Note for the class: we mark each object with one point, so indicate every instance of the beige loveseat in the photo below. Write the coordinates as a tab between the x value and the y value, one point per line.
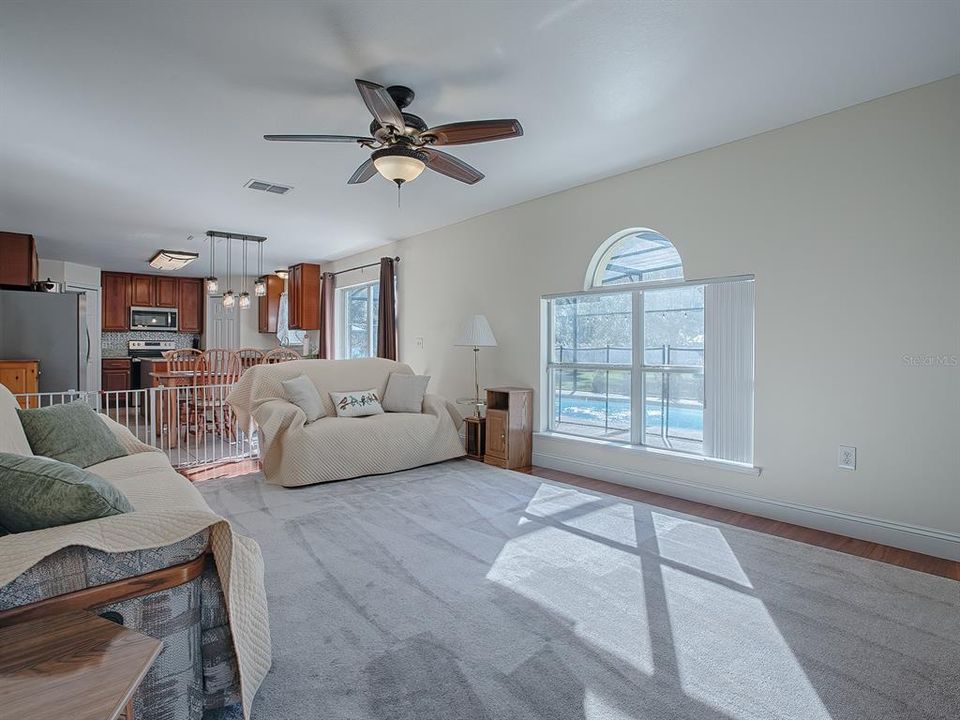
296	453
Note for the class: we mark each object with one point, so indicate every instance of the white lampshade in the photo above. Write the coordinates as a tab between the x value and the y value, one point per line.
399	168
476	332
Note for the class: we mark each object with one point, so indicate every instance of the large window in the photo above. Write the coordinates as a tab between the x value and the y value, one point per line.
357	307
657	361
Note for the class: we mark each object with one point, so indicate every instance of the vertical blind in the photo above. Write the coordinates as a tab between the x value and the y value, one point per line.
728	371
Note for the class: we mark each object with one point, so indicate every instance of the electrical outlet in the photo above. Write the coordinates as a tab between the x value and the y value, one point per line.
420	343
847	458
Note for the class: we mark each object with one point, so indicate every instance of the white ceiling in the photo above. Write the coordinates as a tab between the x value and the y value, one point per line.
127	126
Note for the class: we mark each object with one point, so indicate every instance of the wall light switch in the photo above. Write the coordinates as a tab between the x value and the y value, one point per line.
420	343
847	458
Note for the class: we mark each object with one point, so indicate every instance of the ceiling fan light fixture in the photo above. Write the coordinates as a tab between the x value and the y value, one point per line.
399	164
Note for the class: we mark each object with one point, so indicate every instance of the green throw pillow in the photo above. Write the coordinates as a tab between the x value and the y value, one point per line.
72	433
37	492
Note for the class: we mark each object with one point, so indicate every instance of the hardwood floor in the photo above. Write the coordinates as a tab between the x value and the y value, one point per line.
841	543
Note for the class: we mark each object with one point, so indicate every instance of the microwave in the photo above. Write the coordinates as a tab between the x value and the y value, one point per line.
143	318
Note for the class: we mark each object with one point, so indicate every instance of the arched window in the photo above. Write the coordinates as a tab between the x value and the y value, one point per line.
634	256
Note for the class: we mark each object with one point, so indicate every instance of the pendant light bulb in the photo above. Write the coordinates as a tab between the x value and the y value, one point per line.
244	301
260	287
212	283
229	299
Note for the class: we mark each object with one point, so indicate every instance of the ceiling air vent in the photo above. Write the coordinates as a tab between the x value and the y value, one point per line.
268	187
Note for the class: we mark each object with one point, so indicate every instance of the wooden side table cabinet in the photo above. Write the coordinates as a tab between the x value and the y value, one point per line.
474	431
74	665
509	431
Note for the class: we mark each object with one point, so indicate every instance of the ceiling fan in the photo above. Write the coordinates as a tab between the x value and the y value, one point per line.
402	143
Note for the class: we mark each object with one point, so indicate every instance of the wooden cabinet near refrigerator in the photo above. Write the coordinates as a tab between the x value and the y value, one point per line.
18	260
509	431
190	305
21	376
115	293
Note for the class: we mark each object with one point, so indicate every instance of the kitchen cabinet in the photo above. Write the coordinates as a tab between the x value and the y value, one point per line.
19	266
269	304
303	297
115	377
142	290
166	292
21	376
115	294
190	305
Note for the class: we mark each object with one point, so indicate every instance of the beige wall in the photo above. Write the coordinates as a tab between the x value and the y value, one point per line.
849	223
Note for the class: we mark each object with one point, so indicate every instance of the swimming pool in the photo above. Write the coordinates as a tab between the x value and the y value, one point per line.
591	410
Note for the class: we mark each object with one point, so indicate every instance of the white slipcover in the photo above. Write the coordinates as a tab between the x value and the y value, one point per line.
295	453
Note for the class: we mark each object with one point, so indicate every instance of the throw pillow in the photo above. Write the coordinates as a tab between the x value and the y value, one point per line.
72	433
38	492
404	393
357	403
304	394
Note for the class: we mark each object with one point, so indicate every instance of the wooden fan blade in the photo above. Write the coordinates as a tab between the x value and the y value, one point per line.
380	104
453	167
319	138
475	131
363	173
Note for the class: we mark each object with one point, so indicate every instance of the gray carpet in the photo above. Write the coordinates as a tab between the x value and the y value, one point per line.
465	592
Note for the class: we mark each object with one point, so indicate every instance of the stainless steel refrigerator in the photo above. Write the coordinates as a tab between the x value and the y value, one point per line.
51	328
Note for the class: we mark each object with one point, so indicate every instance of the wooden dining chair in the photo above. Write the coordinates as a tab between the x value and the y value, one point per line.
220	370
183	359
279	355
249	357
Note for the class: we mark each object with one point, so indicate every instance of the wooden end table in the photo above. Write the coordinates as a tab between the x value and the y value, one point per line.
474	436
74	665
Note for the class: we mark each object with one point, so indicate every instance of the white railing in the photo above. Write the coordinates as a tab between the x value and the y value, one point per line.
193	424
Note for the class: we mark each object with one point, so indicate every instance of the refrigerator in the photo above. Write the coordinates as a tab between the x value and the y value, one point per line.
51	328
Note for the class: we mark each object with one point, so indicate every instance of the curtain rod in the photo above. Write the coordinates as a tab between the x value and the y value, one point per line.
361	267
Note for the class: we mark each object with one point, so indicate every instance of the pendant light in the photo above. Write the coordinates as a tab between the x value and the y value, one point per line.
260	286
244	295
212	283
229	300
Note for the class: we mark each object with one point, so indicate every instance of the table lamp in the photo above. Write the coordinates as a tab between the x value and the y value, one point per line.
476	333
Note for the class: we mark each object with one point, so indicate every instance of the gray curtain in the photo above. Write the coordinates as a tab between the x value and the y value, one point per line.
327	348
387	313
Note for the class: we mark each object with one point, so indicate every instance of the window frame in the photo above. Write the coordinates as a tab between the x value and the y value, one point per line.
596	266
638	369
342	329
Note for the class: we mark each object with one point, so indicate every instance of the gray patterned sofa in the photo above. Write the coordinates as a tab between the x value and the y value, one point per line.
196	675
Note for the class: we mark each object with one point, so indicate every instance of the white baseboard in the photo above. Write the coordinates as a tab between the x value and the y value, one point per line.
938	543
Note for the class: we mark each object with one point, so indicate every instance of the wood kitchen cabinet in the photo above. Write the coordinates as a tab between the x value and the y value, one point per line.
190	305
166	292
303	297
509	432
115	293
142	290
19	266
115	376
269	304
21	376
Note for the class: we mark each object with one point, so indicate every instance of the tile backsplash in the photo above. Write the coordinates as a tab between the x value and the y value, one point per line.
115	343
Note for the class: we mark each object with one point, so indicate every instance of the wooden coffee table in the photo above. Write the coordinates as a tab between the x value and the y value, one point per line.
75	666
